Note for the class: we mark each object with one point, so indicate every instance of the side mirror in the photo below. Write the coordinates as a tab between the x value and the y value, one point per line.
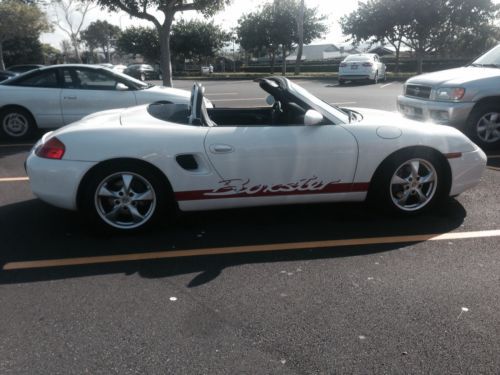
312	117
121	87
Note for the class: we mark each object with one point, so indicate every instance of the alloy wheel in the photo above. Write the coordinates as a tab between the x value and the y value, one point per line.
413	185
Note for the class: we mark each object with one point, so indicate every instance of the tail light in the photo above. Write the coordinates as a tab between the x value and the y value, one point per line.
367	64
52	149
343	65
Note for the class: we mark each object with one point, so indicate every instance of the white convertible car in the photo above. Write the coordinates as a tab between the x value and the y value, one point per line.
57	95
125	169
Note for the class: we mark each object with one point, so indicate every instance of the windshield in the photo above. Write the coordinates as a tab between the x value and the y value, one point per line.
490	58
134	82
336	111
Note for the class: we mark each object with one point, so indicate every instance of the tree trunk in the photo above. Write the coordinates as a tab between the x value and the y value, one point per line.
2	64
165	56
420	60
300	29
283	67
398	49
74	41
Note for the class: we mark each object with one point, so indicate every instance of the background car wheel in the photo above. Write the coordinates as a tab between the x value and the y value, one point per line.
410	182
483	126
341	82
124	197
16	123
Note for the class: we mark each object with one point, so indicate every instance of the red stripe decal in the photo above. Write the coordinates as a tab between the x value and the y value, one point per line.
329	189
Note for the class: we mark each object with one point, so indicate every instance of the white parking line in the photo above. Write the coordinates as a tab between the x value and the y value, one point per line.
14	179
493	156
326	245
222	93
342	103
237	100
387	84
17	145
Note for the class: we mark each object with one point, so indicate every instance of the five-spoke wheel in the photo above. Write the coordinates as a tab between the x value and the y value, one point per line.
410	181
124	196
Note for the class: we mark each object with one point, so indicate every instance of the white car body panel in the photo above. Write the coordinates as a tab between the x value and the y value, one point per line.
55	107
241	166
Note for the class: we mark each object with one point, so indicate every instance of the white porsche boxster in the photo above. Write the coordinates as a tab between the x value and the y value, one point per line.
127	168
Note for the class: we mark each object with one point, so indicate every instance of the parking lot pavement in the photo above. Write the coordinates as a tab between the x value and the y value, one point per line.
394	298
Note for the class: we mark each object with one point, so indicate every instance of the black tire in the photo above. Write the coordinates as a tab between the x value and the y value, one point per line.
341	82
477	126
120	204
388	194
16	124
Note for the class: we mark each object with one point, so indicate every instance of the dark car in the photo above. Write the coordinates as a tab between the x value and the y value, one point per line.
142	71
4	74
24	68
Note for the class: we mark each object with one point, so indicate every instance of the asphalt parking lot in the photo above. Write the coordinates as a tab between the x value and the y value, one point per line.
321	289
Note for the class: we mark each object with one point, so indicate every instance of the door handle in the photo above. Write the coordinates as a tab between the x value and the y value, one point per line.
70	97
221	149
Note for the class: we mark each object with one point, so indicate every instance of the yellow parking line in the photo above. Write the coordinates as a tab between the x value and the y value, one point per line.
247	249
14	179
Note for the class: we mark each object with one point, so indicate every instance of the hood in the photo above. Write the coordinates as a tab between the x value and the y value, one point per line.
455	77
159	91
392	125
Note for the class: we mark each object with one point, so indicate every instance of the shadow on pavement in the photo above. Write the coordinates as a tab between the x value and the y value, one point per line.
32	230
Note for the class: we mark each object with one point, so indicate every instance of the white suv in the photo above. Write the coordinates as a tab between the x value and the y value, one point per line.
467	98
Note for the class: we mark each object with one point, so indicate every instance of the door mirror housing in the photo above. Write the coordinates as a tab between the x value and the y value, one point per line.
121	87
312	117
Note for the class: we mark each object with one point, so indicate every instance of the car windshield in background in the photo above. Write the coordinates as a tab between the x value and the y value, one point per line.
489	59
337	112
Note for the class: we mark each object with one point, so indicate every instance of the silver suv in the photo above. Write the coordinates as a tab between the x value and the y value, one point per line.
467	98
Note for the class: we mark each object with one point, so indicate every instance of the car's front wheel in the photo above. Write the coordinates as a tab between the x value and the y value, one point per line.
410	182
483	126
124	197
16	123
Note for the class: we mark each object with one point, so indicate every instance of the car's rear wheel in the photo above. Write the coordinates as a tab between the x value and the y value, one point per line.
483	126
123	197
410	182
16	123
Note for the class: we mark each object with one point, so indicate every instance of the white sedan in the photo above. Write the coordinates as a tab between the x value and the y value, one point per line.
126	168
54	96
363	66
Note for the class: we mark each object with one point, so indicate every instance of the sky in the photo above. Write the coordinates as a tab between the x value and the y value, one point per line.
332	9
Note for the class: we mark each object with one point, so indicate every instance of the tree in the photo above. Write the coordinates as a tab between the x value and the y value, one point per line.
425	25
145	9
20	20
69	17
197	40
140	41
274	27
101	34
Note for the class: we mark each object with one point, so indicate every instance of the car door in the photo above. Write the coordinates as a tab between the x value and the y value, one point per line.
87	90
39	92
280	164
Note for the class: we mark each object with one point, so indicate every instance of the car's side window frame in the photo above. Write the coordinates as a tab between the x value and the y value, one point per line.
18	82
110	75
